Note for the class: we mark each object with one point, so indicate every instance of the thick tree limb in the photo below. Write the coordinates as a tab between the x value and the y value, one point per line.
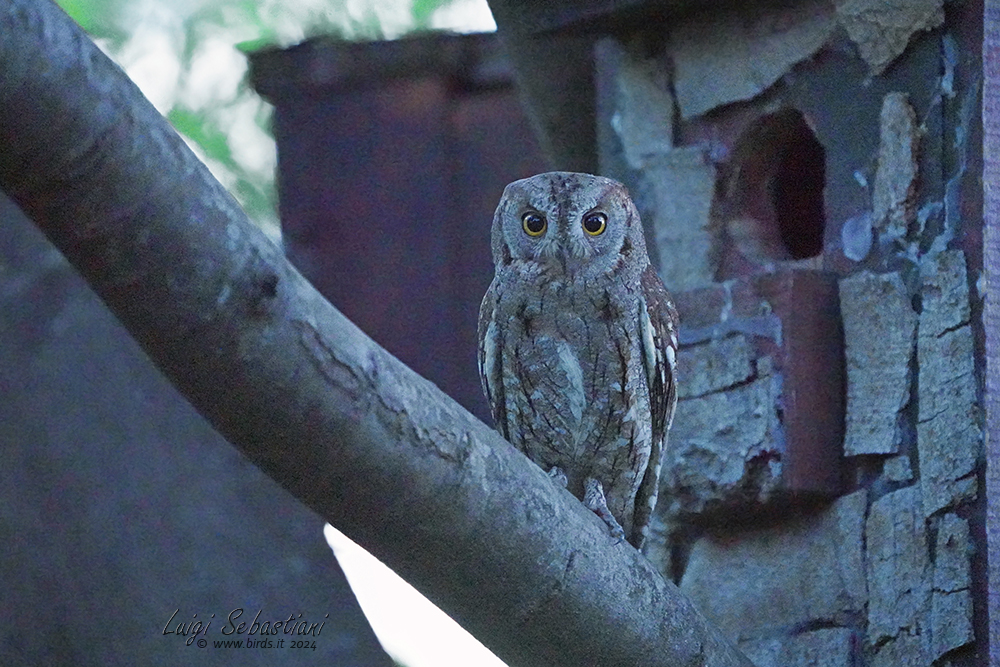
349	430
555	73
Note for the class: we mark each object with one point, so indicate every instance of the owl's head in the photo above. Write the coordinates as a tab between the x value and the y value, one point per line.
561	222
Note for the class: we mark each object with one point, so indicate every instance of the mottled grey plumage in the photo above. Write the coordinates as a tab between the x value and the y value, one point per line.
577	342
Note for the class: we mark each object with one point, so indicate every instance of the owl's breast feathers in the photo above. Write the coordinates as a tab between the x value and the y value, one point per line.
583	380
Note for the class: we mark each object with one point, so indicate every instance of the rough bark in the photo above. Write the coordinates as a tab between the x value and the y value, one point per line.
349	430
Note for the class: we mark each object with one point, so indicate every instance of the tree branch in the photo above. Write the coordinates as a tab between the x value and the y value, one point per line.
349	430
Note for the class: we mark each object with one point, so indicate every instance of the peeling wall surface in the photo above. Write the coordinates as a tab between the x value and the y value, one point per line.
822	498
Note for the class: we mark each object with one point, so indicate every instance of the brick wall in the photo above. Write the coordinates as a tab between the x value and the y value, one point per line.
809	185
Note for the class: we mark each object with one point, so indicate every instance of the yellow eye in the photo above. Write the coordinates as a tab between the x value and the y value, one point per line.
594	223
533	223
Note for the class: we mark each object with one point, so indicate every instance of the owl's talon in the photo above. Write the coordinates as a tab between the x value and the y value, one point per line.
558	476
595	501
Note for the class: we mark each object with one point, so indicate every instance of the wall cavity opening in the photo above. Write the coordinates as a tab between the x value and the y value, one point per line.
769	202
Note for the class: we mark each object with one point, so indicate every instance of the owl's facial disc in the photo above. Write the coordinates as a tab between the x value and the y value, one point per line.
564	240
576	225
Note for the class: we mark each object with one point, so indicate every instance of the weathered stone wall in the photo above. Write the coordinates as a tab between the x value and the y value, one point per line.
821	495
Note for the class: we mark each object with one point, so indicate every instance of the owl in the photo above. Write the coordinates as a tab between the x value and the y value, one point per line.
577	343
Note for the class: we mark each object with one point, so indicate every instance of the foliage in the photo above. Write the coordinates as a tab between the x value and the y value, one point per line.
188	58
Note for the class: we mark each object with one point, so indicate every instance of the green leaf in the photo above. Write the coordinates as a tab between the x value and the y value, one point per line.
198	128
97	17
256	44
423	9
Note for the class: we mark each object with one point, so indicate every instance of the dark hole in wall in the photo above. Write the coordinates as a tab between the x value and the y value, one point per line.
798	191
770	202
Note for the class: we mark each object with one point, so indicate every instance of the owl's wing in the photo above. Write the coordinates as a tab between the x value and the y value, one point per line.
490	365
658	326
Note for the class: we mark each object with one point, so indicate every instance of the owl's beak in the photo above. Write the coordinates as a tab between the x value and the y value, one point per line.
563	256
